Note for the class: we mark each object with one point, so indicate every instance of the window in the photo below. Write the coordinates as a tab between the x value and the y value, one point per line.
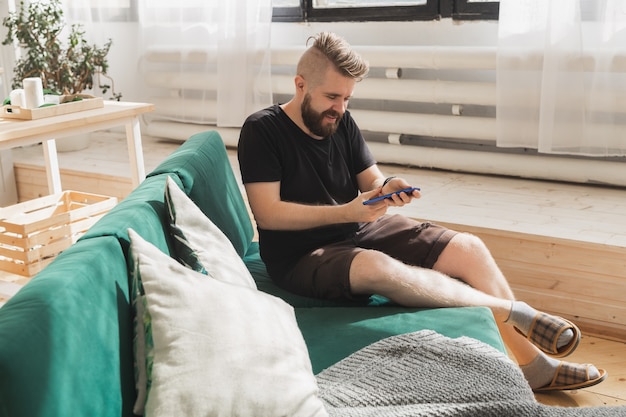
383	10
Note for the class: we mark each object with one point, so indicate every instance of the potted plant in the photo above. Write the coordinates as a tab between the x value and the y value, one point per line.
65	67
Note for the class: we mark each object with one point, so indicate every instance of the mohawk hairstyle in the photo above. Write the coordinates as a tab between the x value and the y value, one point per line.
338	52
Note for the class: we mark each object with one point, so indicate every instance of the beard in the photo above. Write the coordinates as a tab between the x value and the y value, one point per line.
314	121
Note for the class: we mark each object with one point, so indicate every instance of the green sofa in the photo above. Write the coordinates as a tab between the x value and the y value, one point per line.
66	338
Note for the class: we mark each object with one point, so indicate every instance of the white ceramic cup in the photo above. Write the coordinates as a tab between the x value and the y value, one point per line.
33	92
17	97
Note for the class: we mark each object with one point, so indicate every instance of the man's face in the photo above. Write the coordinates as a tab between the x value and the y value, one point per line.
321	124
323	106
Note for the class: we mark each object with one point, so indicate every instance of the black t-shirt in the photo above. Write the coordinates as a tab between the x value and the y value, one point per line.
311	171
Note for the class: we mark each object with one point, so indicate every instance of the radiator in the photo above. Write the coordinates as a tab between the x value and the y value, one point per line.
421	106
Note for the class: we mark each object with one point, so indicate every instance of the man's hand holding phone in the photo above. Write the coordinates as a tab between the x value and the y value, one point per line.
408	191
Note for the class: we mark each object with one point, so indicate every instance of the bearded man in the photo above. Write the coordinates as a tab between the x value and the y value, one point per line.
307	172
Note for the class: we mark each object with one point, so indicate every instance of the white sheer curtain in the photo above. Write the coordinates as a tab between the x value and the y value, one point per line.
199	61
561	76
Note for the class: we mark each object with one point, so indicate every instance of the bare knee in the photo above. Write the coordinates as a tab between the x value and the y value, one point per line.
464	251
369	269
469	243
467	258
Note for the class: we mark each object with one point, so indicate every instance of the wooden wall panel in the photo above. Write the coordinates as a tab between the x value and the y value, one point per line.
584	282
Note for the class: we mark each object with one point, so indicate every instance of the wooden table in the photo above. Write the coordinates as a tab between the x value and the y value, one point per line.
14	133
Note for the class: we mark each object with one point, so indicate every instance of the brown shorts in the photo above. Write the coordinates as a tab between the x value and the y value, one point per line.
325	272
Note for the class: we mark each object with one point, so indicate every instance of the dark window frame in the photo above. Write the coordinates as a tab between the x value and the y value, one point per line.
432	10
466	10
288	14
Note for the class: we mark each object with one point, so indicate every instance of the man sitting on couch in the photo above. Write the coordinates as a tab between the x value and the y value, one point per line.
307	172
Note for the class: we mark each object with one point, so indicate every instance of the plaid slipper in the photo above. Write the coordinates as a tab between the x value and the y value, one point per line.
570	376
545	331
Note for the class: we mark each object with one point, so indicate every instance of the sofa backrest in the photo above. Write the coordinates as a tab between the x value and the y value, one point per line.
143	210
203	167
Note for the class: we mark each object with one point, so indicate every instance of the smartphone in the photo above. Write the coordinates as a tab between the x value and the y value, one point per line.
382	197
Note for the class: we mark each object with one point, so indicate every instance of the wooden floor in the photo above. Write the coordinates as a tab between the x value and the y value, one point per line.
514	216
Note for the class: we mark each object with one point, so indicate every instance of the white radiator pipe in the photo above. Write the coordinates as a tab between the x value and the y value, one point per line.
421	91
177	80
184	110
430	125
180	55
418	91
431	57
517	165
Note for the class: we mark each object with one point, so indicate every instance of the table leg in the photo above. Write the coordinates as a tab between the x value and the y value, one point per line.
135	151
52	166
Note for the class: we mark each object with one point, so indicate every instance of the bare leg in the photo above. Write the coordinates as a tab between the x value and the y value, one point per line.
466	258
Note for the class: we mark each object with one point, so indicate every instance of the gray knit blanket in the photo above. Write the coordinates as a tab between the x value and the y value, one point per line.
427	374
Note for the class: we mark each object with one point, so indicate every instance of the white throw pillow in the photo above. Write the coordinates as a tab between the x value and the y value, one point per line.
199	244
221	349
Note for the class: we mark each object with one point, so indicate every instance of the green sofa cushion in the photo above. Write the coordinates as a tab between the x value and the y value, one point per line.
207	177
332	333
61	353
335	329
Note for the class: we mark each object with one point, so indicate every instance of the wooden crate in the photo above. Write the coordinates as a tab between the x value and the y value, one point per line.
33	233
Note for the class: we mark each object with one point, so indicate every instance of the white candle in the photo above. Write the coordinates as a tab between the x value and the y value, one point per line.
17	97
33	92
